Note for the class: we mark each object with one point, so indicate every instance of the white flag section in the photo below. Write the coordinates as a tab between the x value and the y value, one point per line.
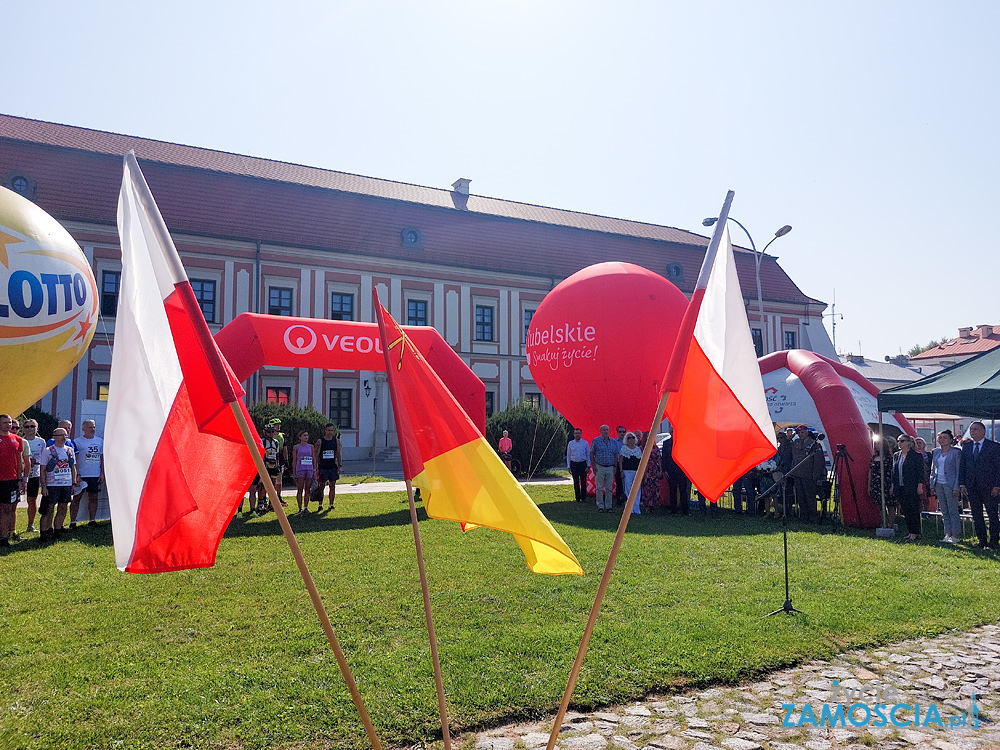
179	465
722	427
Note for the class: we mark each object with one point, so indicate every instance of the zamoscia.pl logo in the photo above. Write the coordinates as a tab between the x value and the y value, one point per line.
885	711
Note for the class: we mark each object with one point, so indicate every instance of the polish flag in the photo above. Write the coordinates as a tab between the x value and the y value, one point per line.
177	464
721	424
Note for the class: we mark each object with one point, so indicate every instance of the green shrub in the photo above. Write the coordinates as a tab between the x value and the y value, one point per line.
539	436
46	422
294	419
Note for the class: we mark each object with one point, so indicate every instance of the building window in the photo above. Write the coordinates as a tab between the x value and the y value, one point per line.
758	341
416	312
279	301
533	399
341	306
281	396
789	339
490	403
110	284
341	403
21	185
204	292
528	314
484	323
102	391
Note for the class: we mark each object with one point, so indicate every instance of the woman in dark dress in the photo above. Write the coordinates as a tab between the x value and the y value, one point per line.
908	483
651	479
880	475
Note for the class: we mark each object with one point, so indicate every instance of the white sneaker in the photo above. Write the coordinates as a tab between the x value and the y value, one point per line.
31	527
953	540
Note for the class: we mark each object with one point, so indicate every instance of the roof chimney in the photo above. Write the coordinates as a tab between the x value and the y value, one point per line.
964	333
461	185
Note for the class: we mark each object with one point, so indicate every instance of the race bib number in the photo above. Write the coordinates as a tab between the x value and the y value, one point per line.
62	471
329	454
307	460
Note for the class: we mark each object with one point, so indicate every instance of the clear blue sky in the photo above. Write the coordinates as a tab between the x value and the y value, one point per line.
870	127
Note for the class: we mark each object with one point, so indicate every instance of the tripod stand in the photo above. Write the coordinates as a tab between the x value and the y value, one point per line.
787	607
840	463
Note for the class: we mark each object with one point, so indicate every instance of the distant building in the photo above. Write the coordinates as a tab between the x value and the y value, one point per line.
887	374
257	235
970	342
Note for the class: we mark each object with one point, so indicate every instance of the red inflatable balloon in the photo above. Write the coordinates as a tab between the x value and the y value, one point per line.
599	343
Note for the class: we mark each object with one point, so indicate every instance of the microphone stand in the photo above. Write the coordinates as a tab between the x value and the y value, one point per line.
787	607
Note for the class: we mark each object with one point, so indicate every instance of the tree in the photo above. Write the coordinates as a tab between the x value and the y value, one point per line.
539	436
294	420
917	348
46	422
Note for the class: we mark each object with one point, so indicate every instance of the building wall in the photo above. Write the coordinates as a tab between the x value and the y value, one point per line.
242	237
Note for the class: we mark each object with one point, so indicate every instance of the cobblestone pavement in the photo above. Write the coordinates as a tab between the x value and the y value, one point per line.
943	672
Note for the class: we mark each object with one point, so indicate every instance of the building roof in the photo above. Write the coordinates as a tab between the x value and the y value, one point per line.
970	341
206	192
163	152
877	371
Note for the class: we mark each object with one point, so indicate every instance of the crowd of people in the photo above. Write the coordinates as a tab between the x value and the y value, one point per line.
54	476
615	461
953	477
306	462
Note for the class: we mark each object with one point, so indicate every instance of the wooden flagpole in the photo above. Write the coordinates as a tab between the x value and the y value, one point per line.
293	544
606	577
442	707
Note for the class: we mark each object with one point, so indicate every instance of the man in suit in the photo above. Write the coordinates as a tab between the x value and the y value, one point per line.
979	480
807	473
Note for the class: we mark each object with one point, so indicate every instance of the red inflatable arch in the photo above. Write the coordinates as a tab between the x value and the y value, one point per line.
252	341
802	386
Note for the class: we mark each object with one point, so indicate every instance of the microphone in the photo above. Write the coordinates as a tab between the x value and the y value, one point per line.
821	436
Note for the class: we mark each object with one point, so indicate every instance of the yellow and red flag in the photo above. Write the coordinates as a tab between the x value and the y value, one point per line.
460	476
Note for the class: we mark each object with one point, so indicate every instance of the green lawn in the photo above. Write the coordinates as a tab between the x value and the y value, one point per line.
233	657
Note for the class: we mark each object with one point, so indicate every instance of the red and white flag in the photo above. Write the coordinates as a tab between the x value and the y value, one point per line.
177	464
721	425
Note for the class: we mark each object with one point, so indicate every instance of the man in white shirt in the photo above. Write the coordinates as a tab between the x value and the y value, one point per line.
90	467
578	462
58	478
35	445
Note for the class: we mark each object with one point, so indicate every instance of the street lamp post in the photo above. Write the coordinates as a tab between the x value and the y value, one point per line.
710	221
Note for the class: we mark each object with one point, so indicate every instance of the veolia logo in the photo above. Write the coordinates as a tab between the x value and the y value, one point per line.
48	290
300	339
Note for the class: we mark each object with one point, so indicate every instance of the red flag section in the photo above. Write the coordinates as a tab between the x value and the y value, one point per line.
721	424
181	465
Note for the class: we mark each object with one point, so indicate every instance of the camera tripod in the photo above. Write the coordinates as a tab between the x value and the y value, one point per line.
840	464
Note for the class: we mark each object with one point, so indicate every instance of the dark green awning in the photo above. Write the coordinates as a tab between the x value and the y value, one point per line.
971	388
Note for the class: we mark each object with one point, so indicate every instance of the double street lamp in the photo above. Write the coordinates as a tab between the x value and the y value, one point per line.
711	220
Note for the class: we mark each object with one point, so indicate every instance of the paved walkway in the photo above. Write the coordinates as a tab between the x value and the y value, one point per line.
942	672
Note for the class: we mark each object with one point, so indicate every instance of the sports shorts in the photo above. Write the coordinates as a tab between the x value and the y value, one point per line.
9	491
90	484
329	475
60	494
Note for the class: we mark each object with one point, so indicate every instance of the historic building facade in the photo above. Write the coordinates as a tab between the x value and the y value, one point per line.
265	236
